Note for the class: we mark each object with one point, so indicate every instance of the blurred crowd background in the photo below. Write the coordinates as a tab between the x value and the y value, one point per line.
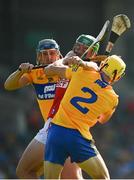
22	24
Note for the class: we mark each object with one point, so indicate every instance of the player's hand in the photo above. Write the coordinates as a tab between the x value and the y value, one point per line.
98	58
26	67
74	60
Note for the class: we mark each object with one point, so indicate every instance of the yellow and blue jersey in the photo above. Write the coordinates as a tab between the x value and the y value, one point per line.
86	98
44	88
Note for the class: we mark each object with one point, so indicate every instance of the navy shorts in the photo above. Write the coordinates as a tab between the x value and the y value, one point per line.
64	142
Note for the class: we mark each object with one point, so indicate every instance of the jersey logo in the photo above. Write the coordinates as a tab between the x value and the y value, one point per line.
62	83
45	91
75	100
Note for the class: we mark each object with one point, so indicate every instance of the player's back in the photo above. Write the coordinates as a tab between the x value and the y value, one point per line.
86	98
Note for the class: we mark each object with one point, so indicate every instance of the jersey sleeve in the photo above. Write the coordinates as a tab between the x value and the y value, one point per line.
28	76
108	114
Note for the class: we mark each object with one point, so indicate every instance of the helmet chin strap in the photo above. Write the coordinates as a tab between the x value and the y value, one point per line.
115	74
104	77
114	77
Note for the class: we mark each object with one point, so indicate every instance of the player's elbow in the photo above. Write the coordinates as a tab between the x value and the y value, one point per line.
102	119
102	122
8	87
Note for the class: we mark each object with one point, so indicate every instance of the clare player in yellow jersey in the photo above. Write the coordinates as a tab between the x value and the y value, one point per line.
30	165
47	52
89	99
31	161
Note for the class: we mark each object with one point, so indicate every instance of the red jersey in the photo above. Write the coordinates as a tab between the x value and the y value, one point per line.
61	87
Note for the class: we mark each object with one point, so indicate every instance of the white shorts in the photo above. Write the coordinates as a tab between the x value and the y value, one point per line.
41	136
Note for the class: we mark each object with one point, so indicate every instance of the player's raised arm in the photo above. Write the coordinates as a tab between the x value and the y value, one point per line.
75	60
61	67
16	79
59	70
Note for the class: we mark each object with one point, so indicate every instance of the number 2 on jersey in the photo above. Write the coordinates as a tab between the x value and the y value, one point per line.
75	100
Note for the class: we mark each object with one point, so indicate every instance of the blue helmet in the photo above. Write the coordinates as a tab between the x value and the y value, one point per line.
47	44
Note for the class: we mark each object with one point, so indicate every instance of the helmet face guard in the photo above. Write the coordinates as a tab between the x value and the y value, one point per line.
83	42
44	54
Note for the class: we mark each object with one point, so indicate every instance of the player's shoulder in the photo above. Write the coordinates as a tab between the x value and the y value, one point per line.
93	66
39	76
112	93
